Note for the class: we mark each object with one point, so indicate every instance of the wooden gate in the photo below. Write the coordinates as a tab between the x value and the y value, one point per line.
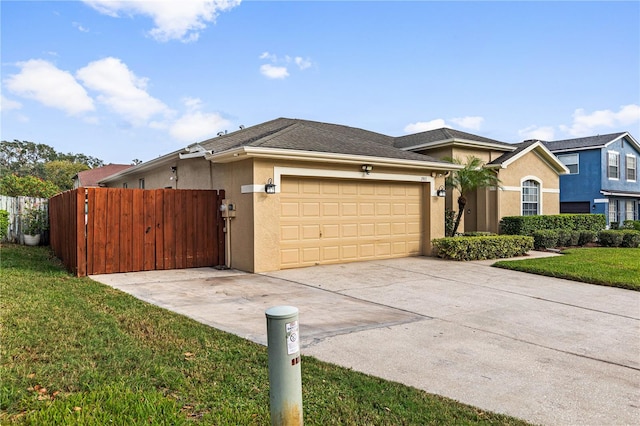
109	230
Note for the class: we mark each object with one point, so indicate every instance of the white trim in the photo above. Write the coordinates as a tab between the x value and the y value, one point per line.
540	189
279	172
601	200
250	189
518	189
608	165
626	167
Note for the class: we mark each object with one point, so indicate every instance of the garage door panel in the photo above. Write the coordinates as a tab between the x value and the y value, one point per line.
332	221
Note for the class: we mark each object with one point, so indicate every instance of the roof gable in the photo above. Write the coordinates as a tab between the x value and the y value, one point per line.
446	136
589	142
524	148
91	177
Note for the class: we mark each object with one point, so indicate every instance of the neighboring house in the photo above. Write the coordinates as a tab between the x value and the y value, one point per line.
91	177
529	173
344	194
603	175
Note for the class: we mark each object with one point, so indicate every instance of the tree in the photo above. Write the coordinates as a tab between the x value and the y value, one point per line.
28	186
24	158
61	173
467	180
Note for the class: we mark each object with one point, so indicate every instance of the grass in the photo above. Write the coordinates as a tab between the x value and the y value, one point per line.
77	352
616	267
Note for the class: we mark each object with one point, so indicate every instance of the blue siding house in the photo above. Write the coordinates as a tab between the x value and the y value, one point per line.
603	175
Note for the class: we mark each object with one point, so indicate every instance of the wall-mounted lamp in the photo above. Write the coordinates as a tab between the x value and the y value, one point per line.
594	207
270	187
366	168
441	192
174	173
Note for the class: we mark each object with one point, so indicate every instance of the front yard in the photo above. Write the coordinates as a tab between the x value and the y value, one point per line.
77	352
616	267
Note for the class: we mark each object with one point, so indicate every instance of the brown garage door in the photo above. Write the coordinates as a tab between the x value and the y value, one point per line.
333	221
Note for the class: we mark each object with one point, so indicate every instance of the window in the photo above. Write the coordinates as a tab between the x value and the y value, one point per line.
630	211
614	165
613	211
530	198
141	183
571	161
631	167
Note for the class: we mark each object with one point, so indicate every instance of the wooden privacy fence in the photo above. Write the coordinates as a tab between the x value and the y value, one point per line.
109	230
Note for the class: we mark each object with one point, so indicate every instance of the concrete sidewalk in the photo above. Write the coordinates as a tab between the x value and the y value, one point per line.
546	350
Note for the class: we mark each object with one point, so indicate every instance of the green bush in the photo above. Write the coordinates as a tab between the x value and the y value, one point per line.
4	224
586	237
610	238
526	225
477	234
482	247
545	238
631	224
631	238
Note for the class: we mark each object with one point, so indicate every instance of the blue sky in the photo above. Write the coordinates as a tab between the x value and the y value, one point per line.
135	80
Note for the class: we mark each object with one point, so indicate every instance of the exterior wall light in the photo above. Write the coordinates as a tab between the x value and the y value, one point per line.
441	192
270	187
366	168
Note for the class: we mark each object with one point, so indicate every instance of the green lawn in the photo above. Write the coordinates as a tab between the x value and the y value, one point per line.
77	352
617	267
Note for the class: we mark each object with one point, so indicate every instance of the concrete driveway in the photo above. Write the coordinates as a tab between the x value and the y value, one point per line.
546	350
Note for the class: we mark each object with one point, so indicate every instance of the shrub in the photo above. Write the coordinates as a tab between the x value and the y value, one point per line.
586	237
545	238
631	224
630	238
477	234
449	221
526	225
610	238
4	224
482	247
34	221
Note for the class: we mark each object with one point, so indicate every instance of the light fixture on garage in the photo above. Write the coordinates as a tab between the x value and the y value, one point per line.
270	187
441	192
366	168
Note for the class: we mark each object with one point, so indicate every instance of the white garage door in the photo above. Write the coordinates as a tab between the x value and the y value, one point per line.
333	221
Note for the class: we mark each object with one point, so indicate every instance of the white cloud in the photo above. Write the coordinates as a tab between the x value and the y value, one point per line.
423	126
281	71
540	133
271	71
179	20
80	27
195	126
303	64
53	87
585	124
473	123
121	90
8	104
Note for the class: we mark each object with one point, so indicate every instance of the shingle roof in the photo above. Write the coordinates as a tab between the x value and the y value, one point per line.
93	176
443	134
305	135
506	156
586	142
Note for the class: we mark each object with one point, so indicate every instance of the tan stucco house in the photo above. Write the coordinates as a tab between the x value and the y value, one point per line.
529	172
341	194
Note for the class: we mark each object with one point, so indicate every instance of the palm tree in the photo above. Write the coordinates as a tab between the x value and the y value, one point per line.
471	177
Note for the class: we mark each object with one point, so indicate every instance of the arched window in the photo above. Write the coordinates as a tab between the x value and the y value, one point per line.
530	198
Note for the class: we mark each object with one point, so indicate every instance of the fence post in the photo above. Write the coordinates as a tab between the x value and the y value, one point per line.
285	379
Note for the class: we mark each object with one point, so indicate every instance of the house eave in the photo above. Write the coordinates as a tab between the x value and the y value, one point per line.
465	143
242	153
142	167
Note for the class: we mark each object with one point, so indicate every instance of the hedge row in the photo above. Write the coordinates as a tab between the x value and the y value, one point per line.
527	225
482	247
549	238
619	238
